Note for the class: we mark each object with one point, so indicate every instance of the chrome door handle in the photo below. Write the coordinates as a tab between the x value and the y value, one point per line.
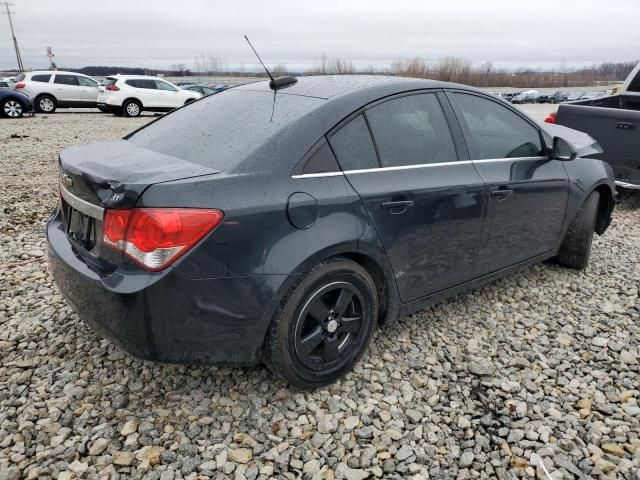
501	194
397	207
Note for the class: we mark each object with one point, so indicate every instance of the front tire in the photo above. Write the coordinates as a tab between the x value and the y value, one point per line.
131	108
323	325
576	246
11	108
46	104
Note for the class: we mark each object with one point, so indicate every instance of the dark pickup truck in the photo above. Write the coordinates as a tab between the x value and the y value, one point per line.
614	122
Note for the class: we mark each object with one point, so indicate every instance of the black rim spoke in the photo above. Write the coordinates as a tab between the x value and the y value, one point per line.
329	326
311	341
318	310
350	324
343	302
330	350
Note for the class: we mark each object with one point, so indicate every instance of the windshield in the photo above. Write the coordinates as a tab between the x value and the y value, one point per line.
220	130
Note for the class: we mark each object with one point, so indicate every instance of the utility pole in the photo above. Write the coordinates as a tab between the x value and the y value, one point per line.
13	35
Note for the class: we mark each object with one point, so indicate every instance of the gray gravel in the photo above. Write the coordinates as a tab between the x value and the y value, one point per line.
544	361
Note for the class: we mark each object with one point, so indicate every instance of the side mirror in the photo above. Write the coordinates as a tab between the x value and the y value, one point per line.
563	150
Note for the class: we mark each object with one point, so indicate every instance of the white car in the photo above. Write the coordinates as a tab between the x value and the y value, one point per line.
129	95
52	89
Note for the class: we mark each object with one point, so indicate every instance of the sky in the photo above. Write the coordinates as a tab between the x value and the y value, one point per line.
510	33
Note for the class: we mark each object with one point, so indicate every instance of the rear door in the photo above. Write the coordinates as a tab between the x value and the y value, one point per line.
145	91
423	196
526	190
66	89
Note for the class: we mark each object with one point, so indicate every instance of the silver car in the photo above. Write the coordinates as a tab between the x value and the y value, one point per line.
52	89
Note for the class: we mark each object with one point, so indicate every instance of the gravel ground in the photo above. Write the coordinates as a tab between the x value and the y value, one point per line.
544	361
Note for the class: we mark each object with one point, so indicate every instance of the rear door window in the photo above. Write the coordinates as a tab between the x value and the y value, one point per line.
411	130
39	78
353	146
66	80
496	132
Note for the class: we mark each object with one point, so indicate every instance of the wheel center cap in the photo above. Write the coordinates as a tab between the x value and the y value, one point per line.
332	326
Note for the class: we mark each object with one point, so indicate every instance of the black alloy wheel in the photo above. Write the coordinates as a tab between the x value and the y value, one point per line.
328	325
323	325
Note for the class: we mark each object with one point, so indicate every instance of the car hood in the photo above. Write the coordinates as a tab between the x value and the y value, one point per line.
584	143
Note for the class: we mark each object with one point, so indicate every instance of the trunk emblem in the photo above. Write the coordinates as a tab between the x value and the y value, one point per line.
67	180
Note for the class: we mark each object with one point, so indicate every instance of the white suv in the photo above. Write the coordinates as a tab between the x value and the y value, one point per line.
129	95
52	89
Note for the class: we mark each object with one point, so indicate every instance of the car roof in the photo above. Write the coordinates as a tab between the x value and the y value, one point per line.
50	72
330	86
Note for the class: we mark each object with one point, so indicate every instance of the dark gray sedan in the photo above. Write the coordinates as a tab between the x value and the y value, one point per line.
280	223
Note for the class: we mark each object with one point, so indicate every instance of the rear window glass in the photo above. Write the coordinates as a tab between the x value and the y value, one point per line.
221	129
39	78
66	79
353	146
411	130
20	77
150	84
108	81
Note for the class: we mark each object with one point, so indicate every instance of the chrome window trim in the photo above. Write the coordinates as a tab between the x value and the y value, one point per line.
81	205
411	167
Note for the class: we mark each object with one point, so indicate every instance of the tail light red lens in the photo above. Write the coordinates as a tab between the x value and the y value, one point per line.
111	88
20	85
551	118
154	238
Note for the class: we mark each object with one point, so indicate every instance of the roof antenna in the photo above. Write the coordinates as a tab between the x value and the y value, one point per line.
274	83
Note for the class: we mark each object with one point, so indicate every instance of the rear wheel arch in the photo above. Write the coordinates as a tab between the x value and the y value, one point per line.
132	99
605	206
42	96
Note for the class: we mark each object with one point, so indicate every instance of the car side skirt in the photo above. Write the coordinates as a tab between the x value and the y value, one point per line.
429	300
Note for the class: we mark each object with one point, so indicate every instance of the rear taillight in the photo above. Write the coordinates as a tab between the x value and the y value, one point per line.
551	118
20	85
111	88
154	238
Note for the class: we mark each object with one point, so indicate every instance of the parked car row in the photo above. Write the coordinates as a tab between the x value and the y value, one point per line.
128	95
534	96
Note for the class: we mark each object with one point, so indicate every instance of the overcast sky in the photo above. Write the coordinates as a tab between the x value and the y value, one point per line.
510	33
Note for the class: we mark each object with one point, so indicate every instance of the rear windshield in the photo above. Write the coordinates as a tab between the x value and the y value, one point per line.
221	129
108	81
20	77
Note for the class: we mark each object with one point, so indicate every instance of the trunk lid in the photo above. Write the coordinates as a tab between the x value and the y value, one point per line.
110	175
114	174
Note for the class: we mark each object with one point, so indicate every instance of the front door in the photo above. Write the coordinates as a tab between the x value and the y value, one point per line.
168	96
424	200
88	90
526	190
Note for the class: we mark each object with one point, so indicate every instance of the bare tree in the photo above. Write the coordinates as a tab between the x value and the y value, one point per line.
279	70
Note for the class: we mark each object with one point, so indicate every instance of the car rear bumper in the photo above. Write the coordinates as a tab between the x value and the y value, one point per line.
626	176
164	316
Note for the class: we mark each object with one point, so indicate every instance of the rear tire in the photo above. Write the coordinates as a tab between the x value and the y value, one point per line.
576	246
131	108
11	108
323	325
46	104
